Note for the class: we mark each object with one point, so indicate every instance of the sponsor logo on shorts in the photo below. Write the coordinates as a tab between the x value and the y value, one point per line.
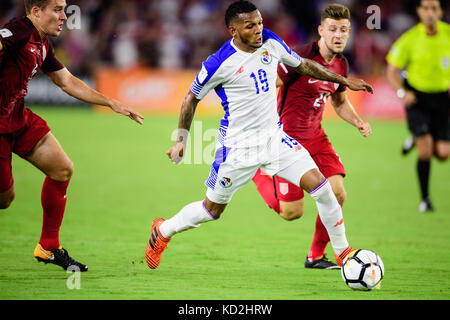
226	182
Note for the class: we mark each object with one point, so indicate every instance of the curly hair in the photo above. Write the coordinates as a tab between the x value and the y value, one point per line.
236	8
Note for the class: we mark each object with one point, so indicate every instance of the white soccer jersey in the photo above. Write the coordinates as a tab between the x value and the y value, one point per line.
245	82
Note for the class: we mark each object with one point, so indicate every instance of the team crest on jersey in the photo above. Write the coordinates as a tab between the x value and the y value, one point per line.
226	182
266	57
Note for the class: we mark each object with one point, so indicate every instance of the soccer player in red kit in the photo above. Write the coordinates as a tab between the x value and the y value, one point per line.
301	102
25	48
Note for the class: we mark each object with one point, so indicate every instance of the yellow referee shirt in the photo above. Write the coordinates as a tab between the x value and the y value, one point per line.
425	58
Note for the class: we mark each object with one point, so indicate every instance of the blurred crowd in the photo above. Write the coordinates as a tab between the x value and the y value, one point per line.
174	34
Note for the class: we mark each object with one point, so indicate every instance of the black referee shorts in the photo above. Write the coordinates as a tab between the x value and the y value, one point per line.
430	115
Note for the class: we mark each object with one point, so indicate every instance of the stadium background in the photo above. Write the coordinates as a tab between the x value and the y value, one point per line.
146	53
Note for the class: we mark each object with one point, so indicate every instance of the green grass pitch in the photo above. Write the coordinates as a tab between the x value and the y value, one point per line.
123	180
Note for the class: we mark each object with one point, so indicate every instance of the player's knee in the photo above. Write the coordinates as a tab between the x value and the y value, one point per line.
63	173
441	157
341	195
442	153
290	214
5	201
424	148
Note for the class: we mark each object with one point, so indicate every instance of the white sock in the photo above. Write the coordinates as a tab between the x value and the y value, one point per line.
189	217
330	213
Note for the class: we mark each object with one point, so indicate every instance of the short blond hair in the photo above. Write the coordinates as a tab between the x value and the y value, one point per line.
335	12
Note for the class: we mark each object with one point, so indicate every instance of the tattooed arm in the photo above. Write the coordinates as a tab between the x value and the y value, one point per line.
317	71
187	112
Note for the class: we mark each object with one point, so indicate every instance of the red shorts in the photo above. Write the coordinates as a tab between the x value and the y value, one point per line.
327	161
21	142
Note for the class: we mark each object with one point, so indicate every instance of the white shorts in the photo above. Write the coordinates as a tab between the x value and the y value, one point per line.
234	167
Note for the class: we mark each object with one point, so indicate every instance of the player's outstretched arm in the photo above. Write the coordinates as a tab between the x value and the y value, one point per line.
187	112
345	110
317	71
81	91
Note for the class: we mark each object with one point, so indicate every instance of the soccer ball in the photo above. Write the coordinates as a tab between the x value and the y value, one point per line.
363	270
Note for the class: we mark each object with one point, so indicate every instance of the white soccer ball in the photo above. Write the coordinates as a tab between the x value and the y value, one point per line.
364	270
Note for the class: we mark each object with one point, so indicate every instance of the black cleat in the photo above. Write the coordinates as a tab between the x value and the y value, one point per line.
408	145
321	263
59	257
426	205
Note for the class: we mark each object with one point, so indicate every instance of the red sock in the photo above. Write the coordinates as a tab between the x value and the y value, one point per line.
320	240
266	189
53	199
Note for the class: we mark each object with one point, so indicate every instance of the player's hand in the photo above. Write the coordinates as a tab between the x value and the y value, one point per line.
364	128
119	107
359	85
409	99
176	152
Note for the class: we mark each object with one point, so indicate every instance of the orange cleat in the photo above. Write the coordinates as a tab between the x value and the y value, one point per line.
156	245
60	257
344	254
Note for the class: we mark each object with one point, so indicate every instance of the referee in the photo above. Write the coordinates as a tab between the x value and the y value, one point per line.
424	51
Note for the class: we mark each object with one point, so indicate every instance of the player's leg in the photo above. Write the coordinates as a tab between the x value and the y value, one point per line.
330	165
337	184
292	162
224	180
266	188
442	150
7	197
420	123
292	210
291	199
440	126
7	193
329	209
285	198
190	216
425	146
49	157
408	145
316	256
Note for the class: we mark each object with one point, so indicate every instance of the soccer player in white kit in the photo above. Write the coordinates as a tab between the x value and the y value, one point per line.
243	73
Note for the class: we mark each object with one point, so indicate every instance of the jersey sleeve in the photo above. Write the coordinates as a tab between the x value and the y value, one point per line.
399	53
287	74
15	34
287	56
207	79
51	62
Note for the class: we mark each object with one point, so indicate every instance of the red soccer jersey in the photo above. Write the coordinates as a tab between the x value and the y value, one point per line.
23	54
301	100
